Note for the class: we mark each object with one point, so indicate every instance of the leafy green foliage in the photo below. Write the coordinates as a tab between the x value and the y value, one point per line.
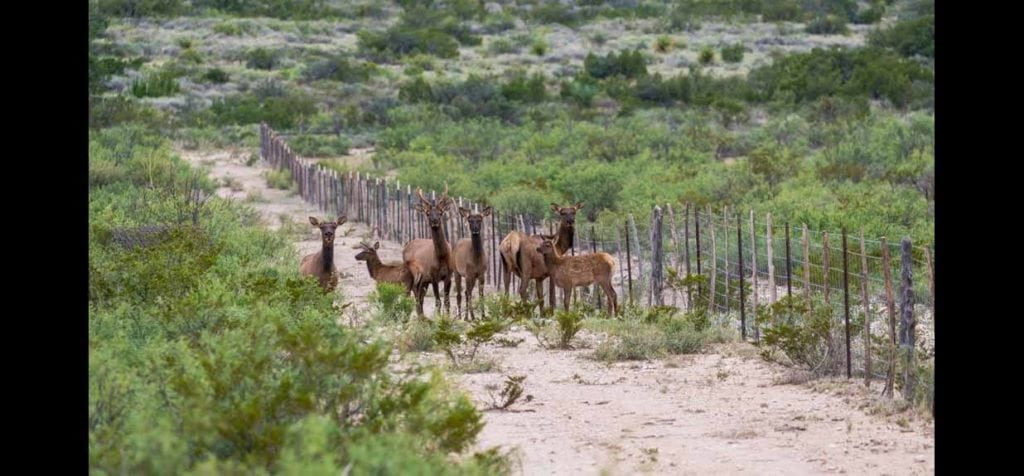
629	64
161	83
391	302
828	25
208	353
262	58
733	53
281	111
319	145
908	37
657	332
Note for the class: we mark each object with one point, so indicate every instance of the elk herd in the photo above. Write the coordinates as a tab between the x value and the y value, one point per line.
433	261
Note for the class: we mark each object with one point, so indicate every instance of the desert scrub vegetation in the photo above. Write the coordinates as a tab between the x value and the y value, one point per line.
319	145
645	334
390	303
733	53
511	137
424	28
279	179
188	298
460	341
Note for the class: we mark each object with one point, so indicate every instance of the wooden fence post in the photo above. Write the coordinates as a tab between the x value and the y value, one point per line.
714	263
907	322
890	377
807	269
867	309
656	256
739	247
629	265
846	307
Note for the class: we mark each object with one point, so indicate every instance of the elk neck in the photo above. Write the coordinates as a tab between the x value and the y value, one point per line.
478	245
440	242
327	256
565	238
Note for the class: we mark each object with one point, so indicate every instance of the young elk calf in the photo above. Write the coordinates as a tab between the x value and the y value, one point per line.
568	272
384	273
321	263
470	260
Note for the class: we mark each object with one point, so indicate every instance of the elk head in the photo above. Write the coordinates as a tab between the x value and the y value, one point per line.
367	251
434	210
476	220
547	246
567	214
327	228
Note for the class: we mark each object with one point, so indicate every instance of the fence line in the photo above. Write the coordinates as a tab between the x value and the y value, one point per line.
738	260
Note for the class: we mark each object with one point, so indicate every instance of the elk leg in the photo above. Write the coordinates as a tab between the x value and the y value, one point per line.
483	283
437	297
524	281
551	291
540	294
609	291
566	294
506	275
447	291
458	295
420	292
470	283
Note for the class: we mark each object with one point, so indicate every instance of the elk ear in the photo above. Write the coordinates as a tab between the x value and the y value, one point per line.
486	212
419	207
314	221
342	219
579	205
464	212
556	208
376	245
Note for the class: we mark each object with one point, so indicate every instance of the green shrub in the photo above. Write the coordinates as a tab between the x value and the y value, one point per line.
279	179
663	44
539	47
216	76
418	336
908	37
781	10
111	111
336	68
203	340
391	303
734	53
140	8
103	67
706	56
645	334
629	64
525	89
159	84
282	9
569	323
827	25
262	58
871	14
500	46
554	12
280	112
319	145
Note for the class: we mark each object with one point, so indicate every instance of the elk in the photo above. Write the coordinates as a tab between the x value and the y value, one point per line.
519	254
384	273
568	272
321	263
470	260
430	260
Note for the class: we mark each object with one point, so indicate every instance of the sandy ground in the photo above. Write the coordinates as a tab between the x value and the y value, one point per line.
724	412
